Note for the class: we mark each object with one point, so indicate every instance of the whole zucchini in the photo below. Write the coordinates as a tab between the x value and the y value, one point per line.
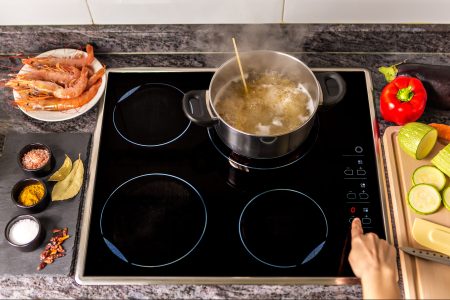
435	78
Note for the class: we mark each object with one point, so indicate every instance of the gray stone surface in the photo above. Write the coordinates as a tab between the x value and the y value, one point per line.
58	214
217	38
199	46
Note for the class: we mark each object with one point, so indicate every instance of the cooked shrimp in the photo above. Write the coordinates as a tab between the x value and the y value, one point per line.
77	61
96	76
32	94
63	75
37	85
75	89
56	104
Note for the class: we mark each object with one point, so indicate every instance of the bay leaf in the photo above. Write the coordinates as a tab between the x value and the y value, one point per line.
63	171
71	185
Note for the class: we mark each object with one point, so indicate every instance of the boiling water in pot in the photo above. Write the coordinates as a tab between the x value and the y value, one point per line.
274	104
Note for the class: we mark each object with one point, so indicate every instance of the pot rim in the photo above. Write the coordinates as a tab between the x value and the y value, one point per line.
213	112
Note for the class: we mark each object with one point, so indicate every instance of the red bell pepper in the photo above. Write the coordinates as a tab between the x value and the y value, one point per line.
403	100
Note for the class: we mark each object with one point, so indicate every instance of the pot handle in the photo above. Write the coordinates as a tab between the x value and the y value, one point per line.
325	80
195	107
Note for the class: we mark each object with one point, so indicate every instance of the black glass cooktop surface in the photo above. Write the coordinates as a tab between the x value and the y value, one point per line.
171	200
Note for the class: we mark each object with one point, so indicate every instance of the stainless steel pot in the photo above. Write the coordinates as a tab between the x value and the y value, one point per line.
199	105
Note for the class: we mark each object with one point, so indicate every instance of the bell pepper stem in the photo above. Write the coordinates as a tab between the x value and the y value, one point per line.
405	94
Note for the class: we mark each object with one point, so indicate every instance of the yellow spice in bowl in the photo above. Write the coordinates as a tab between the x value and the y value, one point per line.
31	194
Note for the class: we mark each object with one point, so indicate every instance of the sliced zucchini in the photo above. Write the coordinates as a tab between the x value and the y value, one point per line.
446	197
442	160
417	139
430	175
424	199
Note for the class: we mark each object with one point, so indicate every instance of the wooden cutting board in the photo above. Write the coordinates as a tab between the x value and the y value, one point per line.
422	278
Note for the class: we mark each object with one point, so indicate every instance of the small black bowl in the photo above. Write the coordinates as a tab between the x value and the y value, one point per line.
31	245
43	170
20	185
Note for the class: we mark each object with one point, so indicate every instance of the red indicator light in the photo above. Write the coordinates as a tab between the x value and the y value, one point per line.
353	210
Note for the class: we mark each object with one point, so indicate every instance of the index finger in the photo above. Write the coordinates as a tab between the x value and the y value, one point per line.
356	228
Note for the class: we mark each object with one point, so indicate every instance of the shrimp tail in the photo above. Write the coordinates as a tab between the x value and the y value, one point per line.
90	51
95	77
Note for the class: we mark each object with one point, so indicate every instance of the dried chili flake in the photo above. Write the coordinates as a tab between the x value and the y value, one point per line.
54	248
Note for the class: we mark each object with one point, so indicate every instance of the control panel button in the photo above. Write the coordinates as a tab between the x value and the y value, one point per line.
361	211
359	149
363	195
348	172
351	195
366	221
361	172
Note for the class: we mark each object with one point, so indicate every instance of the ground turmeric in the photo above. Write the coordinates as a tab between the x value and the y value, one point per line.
31	194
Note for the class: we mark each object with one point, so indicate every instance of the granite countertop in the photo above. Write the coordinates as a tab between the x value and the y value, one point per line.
203	46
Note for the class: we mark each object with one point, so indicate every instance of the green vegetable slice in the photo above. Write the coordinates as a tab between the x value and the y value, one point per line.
389	72
442	160
430	175
417	139
71	185
63	171
424	199
446	197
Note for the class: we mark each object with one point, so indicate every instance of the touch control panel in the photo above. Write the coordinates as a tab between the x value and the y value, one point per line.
357	189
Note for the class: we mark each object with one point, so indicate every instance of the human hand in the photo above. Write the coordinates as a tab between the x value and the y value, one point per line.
373	260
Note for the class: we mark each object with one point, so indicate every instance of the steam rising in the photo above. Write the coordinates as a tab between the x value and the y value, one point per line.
282	37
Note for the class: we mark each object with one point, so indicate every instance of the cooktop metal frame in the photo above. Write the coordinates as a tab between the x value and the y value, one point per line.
121	280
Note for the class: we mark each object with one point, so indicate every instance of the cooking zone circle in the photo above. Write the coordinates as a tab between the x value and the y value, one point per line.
244	163
150	115
153	220
283	228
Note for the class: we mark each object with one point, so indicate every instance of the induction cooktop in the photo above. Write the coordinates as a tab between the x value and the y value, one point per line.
168	202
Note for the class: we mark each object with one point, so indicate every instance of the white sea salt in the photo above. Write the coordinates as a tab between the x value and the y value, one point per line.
23	231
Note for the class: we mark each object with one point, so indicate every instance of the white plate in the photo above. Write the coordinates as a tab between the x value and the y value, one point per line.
54	116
